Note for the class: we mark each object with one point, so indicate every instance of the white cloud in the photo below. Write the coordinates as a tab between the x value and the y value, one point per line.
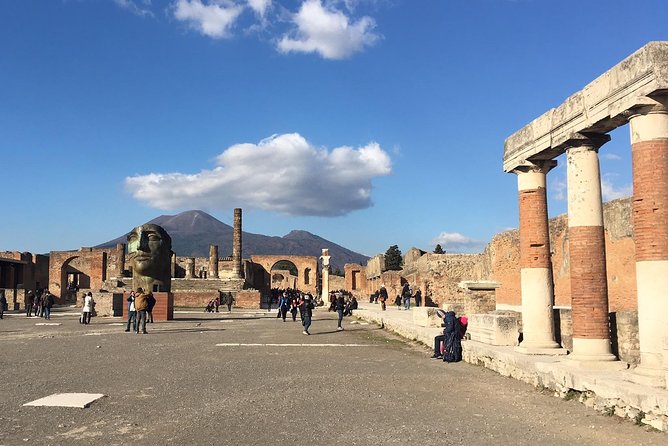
213	19
456	242
135	8
328	32
612	192
259	6
283	173
611	156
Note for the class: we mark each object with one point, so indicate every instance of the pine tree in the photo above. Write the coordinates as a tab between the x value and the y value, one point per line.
393	260
438	250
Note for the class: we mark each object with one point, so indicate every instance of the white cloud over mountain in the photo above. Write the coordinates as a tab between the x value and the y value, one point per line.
283	173
328	32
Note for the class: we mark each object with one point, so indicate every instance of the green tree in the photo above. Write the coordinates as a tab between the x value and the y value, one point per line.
438	250
393	260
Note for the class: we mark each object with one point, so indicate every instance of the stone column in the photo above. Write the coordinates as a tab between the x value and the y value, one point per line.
190	268
586	243
324	292
236	244
120	252
172	267
649	139
213	262
535	263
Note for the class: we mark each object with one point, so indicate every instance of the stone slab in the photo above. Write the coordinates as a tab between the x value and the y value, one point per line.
426	317
494	329
79	400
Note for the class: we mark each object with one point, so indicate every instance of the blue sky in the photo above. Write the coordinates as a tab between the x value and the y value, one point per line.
367	122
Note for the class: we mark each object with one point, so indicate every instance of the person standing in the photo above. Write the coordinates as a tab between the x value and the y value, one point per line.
29	301
132	313
141	305
382	297
340	305
418	298
307	311
229	301
150	302
87	308
47	303
406	295
3	304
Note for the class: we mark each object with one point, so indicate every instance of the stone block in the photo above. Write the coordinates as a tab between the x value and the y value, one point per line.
248	299
426	317
494	328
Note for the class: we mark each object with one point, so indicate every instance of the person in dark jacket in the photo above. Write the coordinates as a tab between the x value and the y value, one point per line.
307	311
382	296
47	303
150	302
418	298
451	339
3	304
340	305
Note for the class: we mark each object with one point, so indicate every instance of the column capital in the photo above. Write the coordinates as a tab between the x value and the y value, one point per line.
592	141
647	106
538	166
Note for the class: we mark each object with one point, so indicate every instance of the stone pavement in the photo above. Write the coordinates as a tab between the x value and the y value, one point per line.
604	390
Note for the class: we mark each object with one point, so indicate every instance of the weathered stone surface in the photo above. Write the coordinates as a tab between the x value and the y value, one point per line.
598	108
494	329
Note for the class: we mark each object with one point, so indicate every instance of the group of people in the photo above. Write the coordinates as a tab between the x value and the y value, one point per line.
38	303
294	302
140	310
403	299
224	298
343	303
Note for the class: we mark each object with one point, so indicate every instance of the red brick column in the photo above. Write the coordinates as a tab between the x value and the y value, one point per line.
535	264
586	242
649	139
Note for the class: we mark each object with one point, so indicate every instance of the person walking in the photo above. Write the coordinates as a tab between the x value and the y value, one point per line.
47	303
3	304
87	308
340	305
141	305
307	311
132	313
29	302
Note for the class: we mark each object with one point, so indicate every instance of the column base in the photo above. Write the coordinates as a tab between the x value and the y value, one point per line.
595	362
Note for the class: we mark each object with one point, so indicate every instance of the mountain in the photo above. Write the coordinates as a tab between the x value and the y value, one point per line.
193	231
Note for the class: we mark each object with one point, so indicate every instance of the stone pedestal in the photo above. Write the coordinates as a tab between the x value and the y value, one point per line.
494	329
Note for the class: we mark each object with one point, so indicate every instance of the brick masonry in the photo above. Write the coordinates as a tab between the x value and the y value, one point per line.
534	229
650	204
589	288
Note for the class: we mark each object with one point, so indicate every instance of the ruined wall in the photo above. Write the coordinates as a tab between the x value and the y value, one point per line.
355	279
337	283
94	266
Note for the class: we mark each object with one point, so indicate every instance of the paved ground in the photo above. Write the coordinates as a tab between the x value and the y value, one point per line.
176	385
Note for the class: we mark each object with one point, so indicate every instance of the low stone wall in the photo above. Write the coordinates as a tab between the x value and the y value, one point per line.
250	299
194	298
106	304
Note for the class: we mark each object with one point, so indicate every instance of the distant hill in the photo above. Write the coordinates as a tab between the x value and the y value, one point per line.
193	231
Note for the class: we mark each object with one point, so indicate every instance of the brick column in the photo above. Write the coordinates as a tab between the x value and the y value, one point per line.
586	243
213	262
236	244
535	264
649	139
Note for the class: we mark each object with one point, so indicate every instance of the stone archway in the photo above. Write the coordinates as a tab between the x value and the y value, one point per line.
300	264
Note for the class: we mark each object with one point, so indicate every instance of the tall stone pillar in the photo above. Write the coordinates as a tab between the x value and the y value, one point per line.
236	244
172	266
535	264
649	139
324	292
213	262
190	268
586	242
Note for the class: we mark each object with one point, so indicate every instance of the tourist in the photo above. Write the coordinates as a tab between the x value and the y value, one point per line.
218	300
397	302
29	302
307	311
229	301
3	304
132	313
87	308
150	303
141	304
382	297
300	306
451	339
283	304
340	305
406	294
418	298
37	307
294	304
47	303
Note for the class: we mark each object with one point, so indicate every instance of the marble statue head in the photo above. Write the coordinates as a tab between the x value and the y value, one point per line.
149	253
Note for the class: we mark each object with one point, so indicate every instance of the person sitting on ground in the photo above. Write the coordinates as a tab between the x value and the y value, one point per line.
210	306
451	338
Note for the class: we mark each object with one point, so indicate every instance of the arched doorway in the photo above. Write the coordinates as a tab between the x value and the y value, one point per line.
73	277
284	274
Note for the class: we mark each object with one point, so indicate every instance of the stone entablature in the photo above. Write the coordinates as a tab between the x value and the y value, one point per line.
599	108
